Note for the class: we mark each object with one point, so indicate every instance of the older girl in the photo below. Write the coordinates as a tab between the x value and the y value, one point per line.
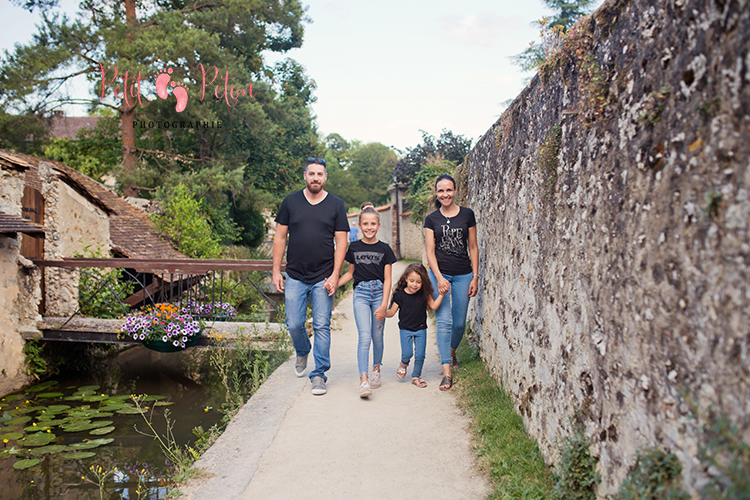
370	264
453	256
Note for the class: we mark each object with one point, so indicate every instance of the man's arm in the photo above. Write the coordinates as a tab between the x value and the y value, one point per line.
338	261
279	245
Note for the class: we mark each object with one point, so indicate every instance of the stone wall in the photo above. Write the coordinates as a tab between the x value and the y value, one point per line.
20	296
74	223
613	205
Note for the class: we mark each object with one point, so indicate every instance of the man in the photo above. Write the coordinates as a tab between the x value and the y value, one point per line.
313	219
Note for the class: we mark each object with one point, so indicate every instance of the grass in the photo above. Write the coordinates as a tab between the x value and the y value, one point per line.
507	455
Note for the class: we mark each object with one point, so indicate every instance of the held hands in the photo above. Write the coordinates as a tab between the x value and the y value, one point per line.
380	313
443	285
278	282
331	284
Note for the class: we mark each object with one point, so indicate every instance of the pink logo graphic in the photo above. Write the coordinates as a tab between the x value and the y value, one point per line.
180	91
131	87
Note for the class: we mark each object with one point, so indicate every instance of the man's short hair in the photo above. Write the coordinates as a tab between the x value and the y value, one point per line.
316	161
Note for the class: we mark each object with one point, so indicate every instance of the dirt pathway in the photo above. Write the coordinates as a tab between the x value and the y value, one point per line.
402	442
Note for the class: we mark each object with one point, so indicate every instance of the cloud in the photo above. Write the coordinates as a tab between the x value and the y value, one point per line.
485	29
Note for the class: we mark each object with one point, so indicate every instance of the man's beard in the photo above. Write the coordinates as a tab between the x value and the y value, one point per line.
314	188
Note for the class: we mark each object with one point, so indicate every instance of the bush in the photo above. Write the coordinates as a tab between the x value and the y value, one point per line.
576	476
101	291
655	475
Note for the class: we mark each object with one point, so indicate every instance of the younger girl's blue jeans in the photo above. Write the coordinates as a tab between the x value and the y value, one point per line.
368	296
416	343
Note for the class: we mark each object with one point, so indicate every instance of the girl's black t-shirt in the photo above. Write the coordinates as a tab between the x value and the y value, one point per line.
412	310
369	260
452	240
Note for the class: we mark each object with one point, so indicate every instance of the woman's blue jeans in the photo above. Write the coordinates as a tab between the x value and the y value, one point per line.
451	315
296	295
368	296
414	342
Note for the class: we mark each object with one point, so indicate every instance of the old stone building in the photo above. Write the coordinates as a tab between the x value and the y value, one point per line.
78	215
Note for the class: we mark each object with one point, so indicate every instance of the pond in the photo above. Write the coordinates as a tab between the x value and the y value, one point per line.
55	436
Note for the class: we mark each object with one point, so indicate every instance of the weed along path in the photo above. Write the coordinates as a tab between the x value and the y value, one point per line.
402	442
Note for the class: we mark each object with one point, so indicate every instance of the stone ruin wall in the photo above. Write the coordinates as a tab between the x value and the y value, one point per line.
19	282
74	223
619	277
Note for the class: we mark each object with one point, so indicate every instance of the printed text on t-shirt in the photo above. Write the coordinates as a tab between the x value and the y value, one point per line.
452	242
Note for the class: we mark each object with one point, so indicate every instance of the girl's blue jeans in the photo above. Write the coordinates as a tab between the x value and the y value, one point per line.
450	317
414	342
368	296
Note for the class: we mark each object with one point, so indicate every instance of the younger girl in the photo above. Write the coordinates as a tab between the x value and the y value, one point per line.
370	263
411	297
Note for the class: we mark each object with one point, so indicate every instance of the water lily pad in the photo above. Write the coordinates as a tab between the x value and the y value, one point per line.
11	436
13	397
42	387
88	388
57	408
95	398
94	443
18	421
163	403
152	397
25	464
38	439
78	455
102	430
52	448
119	397
38	427
77	426
50	395
132	411
114	406
89	414
29	409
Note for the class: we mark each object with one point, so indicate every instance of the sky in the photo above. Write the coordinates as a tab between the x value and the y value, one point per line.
386	71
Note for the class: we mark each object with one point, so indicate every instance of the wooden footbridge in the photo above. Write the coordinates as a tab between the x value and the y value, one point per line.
154	281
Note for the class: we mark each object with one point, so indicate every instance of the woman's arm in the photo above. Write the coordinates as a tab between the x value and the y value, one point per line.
347	276
392	311
474	257
429	246
380	311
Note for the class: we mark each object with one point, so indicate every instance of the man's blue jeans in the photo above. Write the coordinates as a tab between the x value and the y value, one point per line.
368	296
296	295
450	317
414	342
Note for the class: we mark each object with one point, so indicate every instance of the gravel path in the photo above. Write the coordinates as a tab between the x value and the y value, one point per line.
401	442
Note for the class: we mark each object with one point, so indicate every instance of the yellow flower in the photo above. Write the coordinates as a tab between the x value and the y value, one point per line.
34	424
5	440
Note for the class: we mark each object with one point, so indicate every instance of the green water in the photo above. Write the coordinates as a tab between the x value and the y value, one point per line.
79	410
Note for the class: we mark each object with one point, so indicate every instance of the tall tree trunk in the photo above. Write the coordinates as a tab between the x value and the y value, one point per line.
128	118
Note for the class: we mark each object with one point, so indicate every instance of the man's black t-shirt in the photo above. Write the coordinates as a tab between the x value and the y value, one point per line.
369	260
412	310
451	240
312	230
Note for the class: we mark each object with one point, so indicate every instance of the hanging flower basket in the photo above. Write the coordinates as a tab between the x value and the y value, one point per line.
163	328
212	311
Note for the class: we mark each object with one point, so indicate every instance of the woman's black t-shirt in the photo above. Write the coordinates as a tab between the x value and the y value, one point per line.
451	240
369	260
412	310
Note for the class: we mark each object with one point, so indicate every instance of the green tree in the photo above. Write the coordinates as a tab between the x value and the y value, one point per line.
448	146
371	166
551	29
185	223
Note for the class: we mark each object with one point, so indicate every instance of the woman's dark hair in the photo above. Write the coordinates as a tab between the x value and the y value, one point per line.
442	178
418	268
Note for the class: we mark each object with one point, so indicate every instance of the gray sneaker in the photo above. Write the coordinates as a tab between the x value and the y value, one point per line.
301	365
318	386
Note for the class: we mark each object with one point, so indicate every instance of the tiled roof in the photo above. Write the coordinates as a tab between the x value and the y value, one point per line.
132	233
67	127
12	224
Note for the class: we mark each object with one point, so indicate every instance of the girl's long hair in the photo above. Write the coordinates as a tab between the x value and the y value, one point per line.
418	268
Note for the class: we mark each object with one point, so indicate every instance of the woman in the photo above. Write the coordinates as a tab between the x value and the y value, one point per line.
452	253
